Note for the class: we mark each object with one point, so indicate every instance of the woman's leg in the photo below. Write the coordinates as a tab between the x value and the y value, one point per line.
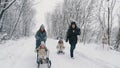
72	50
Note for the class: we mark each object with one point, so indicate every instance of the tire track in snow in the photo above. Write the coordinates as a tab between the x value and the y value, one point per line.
96	61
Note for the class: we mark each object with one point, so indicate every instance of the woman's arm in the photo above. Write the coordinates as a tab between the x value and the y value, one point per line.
36	36
45	38
67	35
78	31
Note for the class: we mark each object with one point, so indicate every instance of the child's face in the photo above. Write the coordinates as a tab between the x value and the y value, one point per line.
42	46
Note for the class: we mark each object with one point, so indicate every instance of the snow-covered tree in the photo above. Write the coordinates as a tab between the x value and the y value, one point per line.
94	17
16	17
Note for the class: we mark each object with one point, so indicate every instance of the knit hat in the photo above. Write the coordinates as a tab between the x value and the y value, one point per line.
42	42
73	23
42	26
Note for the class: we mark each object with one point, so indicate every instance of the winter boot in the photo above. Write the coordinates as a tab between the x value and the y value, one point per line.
41	61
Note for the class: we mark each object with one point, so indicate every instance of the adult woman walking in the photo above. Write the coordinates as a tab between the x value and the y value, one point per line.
72	34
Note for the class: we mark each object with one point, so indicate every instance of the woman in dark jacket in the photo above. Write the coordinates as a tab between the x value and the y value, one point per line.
72	33
40	36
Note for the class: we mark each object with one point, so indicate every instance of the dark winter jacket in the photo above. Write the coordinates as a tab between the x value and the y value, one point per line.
72	36
40	36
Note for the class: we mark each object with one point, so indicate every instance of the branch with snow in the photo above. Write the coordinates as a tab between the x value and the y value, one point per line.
9	5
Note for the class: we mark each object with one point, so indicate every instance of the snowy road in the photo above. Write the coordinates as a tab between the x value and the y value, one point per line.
20	54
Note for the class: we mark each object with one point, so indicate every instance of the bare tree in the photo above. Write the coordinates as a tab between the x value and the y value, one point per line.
110	18
117	44
95	18
4	5
105	18
20	23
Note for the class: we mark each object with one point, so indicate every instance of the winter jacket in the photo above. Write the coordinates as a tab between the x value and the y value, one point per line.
40	36
60	47
72	36
43	53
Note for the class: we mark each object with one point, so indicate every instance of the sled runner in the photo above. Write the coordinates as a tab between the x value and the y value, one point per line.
44	63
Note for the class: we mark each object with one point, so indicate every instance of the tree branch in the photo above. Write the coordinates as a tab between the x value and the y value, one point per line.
9	5
5	8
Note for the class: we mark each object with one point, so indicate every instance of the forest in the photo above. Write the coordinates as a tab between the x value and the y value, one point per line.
46	34
16	18
95	18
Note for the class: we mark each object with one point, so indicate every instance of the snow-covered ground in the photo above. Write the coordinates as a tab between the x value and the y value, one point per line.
20	54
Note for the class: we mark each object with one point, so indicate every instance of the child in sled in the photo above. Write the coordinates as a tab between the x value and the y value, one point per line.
43	55
60	47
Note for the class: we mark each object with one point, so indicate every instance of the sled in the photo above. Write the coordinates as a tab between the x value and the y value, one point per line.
43	63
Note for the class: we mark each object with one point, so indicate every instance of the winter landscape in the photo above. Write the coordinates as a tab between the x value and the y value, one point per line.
98	45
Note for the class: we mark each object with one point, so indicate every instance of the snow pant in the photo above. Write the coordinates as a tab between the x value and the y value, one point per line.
73	45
